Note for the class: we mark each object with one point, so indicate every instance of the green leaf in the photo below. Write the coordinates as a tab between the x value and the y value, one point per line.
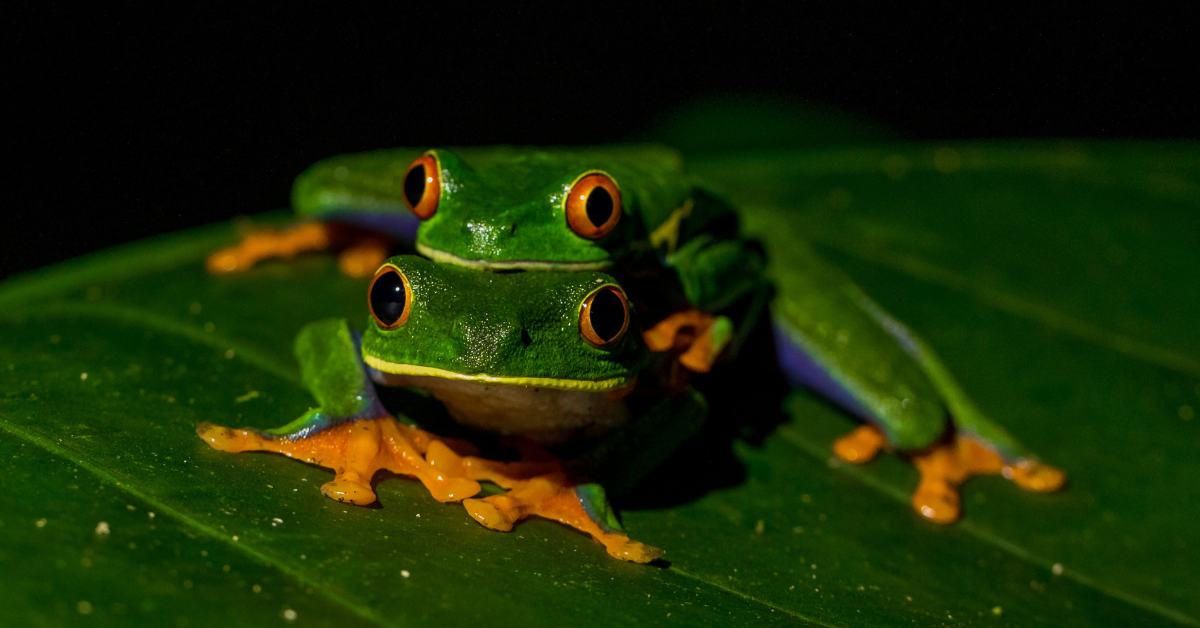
1056	280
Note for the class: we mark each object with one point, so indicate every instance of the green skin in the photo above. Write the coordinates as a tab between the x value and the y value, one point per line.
502	208
504	353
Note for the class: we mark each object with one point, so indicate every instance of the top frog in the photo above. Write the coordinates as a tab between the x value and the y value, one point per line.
541	210
508	208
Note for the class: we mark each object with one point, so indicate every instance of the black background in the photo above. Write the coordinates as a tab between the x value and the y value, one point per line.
129	122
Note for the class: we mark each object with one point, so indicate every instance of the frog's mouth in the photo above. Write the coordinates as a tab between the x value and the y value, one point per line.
542	409
482	264
578	385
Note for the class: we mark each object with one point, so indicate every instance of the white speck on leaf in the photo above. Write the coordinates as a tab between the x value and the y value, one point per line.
102	528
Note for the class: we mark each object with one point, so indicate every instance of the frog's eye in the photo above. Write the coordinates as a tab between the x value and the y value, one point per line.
594	205
604	316
390	298
422	186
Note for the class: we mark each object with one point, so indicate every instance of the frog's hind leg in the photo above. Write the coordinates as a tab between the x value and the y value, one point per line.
987	439
266	244
944	467
362	251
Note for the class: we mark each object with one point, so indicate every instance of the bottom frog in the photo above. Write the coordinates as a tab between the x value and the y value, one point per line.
542	358
552	359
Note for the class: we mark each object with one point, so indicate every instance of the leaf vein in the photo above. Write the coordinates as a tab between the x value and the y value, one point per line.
751	598
109	476
983	534
1018	305
139	316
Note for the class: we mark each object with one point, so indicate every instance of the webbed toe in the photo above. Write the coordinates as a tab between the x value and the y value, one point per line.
348	491
1032	475
938	503
861	445
492	513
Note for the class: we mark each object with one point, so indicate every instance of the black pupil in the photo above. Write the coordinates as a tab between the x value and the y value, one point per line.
388	298
414	185
599	206
606	314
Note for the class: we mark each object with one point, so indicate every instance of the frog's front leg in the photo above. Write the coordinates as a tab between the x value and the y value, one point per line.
355	451
350	432
619	459
714	274
696	338
542	489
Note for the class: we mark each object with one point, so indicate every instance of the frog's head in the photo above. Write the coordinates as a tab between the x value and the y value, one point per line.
537	209
544	355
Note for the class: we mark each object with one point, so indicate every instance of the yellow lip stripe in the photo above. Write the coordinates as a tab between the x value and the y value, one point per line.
582	385
443	257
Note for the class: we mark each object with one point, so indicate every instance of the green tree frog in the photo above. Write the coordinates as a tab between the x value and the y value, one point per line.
698	285
545	358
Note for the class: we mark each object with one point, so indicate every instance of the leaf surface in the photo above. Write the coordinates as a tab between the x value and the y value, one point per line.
1056	280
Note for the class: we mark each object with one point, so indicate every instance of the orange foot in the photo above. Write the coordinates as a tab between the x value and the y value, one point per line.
695	339
945	466
535	489
260	245
861	445
355	451
364	258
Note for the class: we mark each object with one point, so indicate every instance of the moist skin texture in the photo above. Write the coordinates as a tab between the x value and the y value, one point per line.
542	415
